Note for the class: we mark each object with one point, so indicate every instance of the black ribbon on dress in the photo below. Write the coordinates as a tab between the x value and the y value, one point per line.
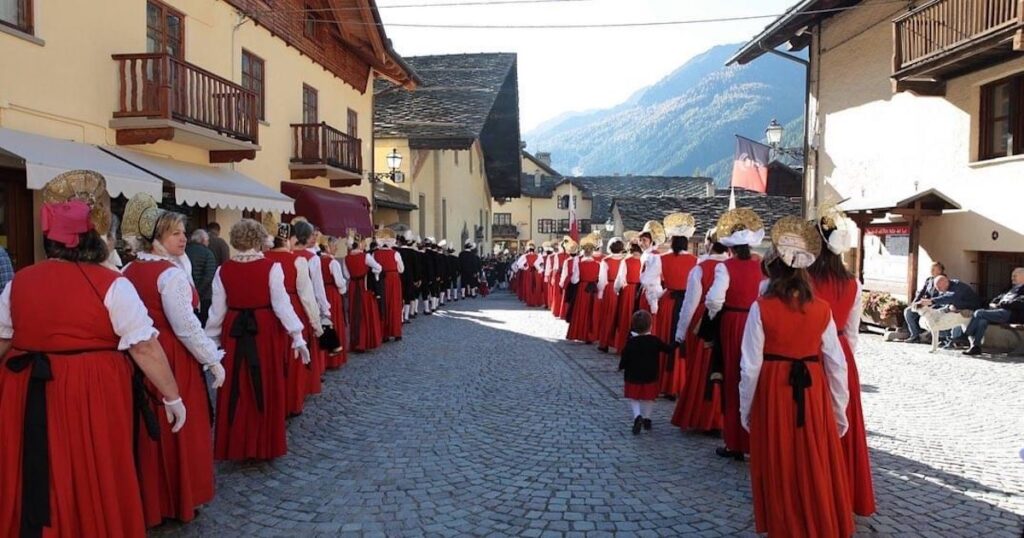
209	400
244	331
35	452
142	399
677	297
570	297
799	380
591	287
329	340
710	331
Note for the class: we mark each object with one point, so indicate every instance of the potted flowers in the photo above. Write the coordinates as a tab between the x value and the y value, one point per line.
882	309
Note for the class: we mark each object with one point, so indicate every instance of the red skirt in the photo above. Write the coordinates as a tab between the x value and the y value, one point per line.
297	375
338	319
797	474
254	434
365	331
855	442
94	490
733	322
535	287
624	312
693	410
176	471
317	364
586	315
672	379
641	391
391	326
609	318
556	295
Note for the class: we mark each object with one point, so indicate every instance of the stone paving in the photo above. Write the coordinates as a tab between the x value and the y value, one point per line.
484	422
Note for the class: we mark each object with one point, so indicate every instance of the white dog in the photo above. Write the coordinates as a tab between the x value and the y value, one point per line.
937	320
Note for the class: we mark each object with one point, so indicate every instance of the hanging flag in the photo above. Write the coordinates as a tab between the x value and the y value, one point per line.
574	227
750	165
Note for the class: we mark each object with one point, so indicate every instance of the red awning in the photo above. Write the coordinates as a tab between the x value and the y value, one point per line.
334	212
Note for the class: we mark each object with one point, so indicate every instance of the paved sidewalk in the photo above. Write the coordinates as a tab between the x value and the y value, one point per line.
483	421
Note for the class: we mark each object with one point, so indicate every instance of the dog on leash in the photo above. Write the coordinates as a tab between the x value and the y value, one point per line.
936	320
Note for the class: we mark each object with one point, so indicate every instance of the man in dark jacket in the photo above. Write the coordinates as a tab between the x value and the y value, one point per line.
221	251
927	291
1005	308
411	276
204	267
469	268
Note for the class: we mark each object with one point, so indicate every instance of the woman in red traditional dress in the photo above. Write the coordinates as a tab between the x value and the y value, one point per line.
306	235
735	287
555	280
585	318
256	322
364	316
651	238
700	405
175	471
793	405
66	413
671	272
608	295
834	284
530	264
565	283
297	283
627	284
336	287
392	268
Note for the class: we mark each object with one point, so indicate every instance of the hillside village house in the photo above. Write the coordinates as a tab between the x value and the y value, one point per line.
218	106
458	134
915	117
542	212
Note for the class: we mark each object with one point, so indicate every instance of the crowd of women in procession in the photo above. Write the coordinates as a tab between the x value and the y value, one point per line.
758	348
87	450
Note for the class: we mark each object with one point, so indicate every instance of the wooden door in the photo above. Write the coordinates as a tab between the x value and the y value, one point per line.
311	132
16	218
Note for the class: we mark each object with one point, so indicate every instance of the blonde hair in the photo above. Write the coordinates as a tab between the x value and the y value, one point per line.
247	234
164	223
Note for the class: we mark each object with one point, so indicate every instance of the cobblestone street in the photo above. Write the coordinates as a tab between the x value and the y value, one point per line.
483	421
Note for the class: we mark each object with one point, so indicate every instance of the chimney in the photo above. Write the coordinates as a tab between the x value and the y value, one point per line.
710	192
544	157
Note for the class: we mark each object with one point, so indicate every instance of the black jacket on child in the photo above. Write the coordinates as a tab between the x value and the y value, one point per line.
640	358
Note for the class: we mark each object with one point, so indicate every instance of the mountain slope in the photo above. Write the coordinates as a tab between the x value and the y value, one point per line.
683	124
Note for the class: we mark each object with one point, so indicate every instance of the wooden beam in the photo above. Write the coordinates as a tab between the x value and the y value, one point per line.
912	259
132	137
907	212
927	88
862	222
341	183
232	156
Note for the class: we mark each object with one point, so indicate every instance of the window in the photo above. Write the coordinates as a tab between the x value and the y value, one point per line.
503	218
253	79
546	226
165	29
584	226
310	22
353	123
563	226
310	114
17	14
563	201
1002	121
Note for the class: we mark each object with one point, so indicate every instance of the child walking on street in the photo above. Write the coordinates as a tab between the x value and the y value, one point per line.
639	365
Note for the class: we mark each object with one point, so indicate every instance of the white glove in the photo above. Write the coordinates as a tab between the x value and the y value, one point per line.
217	370
326	321
175	413
302	352
681	338
318	330
842	426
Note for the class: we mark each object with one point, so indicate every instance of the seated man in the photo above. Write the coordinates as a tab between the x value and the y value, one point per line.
1005	308
927	291
951	294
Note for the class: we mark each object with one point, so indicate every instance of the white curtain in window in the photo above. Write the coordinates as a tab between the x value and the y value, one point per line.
9	11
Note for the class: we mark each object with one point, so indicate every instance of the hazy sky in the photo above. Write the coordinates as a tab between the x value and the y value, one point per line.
578	69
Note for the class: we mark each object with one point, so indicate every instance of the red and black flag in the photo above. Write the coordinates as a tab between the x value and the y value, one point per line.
750	165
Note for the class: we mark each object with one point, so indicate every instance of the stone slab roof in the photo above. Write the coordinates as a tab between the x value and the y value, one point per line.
706	210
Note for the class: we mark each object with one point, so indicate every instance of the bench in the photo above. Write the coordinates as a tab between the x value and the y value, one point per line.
1007	337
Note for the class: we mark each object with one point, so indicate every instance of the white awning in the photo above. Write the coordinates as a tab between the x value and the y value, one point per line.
196	184
45	158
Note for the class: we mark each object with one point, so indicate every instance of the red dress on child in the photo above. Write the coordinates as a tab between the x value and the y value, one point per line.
297	375
627	301
744	283
841	295
87	465
585	323
318	357
797	471
176	469
697	407
675	270
364	321
337	311
609	305
251	410
391	326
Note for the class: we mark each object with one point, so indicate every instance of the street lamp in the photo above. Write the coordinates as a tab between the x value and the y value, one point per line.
609	226
394	160
774	135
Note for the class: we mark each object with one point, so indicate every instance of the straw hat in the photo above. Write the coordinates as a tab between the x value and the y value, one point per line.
547	245
572	247
590	243
680	224
529	245
656	230
141	215
835	228
85	186
740	226
796	242
630	236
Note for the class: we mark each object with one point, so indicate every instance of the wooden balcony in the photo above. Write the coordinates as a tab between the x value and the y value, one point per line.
504	231
319	150
164	98
942	39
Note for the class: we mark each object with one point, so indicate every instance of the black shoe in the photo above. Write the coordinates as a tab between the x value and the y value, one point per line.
647	424
398	339
670	397
912	340
726	453
974	350
638	423
603	349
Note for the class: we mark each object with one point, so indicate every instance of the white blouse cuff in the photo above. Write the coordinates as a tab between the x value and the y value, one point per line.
136	337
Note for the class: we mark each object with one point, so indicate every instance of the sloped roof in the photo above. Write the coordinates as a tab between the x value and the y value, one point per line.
607	188
789	27
461	98
706	210
541	164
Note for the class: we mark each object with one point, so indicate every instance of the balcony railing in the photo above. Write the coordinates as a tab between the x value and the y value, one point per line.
319	143
161	86
504	230
943	26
